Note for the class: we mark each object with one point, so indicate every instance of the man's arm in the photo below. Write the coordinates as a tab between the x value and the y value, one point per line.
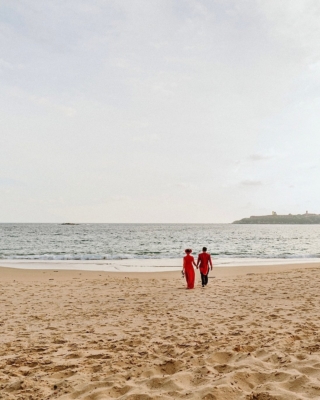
198	261
210	261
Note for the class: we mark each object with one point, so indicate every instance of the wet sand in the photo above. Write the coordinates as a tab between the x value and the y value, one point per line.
252	334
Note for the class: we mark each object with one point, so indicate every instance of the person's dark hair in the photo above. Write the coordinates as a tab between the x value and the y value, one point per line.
188	251
204	249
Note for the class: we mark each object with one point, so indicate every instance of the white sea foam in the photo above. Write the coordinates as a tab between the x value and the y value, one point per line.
144	265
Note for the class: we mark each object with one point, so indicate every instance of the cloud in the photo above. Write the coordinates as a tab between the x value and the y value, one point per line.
10	66
48	103
161	93
271	153
146	138
250	182
8	182
259	157
118	198
185	185
44	101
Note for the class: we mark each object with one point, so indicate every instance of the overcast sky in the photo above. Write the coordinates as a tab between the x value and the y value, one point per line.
158	110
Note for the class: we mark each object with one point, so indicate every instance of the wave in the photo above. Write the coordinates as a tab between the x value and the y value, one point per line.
151	256
66	257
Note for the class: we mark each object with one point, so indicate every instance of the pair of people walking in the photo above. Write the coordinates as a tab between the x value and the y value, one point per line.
203	263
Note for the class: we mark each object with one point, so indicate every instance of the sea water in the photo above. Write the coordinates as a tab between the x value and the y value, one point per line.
228	244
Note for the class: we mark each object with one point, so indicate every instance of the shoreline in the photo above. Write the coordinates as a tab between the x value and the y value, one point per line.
166	265
9	274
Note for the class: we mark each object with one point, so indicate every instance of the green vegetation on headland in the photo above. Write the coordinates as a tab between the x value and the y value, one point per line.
281	219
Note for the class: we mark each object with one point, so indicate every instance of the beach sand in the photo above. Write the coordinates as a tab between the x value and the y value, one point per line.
252	334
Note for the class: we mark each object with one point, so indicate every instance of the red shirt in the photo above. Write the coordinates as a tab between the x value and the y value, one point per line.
204	259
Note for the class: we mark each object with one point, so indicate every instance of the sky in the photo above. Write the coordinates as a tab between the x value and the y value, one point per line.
158	111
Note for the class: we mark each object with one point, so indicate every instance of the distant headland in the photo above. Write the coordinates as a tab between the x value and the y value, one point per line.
274	218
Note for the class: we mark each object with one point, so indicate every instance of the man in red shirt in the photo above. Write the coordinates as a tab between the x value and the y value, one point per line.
204	260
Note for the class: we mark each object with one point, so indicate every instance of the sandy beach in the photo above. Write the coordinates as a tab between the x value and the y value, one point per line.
252	334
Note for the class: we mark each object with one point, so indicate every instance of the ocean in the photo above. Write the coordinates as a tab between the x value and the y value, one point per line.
157	241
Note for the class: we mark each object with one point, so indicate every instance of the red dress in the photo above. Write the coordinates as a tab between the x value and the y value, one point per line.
205	260
188	270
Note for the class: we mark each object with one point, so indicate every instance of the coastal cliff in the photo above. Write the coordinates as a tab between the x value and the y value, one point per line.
281	219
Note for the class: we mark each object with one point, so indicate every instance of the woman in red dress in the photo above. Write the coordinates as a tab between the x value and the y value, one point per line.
188	263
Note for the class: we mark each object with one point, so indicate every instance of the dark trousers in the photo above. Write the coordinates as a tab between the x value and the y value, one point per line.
204	279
